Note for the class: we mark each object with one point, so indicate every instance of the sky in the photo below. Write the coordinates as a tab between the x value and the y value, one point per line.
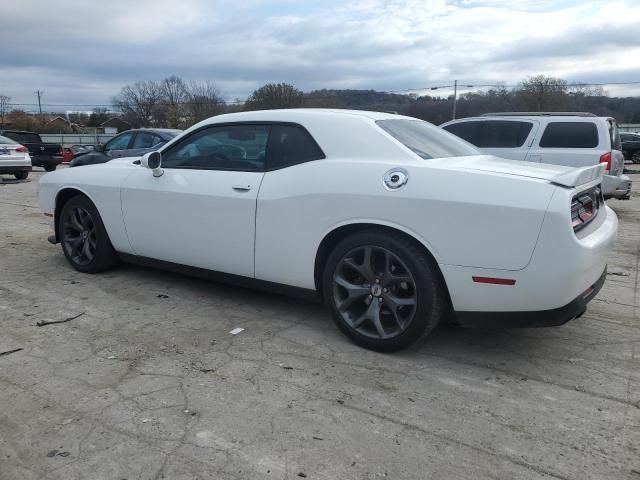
83	52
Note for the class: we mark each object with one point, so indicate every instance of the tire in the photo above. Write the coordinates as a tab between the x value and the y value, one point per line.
21	175
635	157
49	167
83	237
407	282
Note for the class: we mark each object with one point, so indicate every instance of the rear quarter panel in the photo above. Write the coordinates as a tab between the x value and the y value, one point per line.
477	219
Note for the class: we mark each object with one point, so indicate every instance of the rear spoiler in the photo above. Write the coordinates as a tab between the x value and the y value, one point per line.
581	176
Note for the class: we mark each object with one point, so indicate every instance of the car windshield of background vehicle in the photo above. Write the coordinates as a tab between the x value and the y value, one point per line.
426	140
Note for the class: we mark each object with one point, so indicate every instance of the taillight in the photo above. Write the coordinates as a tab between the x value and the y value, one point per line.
606	158
22	149
584	208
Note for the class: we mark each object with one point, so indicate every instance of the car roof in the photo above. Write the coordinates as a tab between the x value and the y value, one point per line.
298	115
515	118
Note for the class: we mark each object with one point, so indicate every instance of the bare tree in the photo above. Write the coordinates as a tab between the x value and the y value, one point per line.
275	95
542	92
175	95
138	102
203	101
4	108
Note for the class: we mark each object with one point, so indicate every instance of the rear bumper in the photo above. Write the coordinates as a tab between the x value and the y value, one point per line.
622	190
9	170
530	319
40	160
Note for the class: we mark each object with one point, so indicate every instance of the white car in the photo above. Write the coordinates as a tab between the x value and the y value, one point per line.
574	139
390	220
14	159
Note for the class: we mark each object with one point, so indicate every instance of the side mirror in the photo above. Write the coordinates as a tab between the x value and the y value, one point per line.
153	161
98	148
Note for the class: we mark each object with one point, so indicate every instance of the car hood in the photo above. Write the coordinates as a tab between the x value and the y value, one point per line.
558	174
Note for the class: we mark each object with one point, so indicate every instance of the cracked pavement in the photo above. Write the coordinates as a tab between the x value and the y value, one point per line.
148	383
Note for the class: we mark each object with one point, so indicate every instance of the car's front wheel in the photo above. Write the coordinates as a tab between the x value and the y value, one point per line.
49	167
384	291
635	157
84	238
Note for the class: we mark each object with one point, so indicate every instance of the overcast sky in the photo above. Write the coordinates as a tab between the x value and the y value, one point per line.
84	51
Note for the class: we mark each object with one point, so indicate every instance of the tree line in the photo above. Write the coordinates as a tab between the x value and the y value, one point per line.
176	103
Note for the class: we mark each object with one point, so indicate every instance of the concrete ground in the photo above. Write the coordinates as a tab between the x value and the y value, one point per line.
148	383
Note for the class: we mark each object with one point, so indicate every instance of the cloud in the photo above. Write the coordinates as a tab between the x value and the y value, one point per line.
88	50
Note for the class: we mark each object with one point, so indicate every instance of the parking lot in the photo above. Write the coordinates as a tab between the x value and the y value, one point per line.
144	380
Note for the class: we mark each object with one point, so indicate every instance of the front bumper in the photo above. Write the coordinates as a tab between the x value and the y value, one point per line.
530	319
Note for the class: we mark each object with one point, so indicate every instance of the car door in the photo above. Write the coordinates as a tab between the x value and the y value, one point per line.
506	138
201	211
573	143
117	146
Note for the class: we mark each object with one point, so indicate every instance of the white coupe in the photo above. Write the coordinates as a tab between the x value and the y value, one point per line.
394	223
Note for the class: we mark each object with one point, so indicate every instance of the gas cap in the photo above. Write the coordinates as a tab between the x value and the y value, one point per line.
395	178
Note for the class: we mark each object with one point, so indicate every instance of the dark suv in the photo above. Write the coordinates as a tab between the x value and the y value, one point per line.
631	146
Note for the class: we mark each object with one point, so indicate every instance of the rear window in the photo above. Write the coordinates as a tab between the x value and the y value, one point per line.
7	141
570	135
31	138
426	140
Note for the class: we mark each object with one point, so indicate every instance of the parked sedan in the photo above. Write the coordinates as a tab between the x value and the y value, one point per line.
14	159
354	208
131	143
631	146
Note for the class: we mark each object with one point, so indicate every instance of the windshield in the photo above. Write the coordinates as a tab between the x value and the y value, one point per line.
426	140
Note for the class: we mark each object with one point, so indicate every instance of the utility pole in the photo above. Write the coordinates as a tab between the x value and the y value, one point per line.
455	97
39	93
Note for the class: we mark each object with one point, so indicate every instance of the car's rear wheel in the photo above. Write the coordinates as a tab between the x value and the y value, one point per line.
84	239
384	291
49	167
635	157
21	175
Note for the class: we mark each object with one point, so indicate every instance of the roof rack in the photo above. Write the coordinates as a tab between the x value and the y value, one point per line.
539	114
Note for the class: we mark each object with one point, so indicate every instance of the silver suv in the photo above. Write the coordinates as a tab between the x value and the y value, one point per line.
574	139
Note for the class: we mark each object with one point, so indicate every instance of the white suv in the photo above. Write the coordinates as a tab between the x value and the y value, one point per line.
572	139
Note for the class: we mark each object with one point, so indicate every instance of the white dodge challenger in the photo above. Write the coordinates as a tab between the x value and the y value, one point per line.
394	223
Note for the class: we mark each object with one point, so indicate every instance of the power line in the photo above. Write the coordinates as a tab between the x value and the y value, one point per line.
320	96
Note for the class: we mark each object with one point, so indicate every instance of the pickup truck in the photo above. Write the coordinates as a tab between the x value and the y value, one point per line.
45	155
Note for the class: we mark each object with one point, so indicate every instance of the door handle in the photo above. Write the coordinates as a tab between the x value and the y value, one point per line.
241	188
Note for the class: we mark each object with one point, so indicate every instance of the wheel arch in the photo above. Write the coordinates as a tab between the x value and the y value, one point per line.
340	232
62	197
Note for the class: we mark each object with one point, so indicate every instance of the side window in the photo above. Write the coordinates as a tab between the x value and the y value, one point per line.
143	140
227	147
570	135
289	145
156	140
121	142
503	134
465	130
